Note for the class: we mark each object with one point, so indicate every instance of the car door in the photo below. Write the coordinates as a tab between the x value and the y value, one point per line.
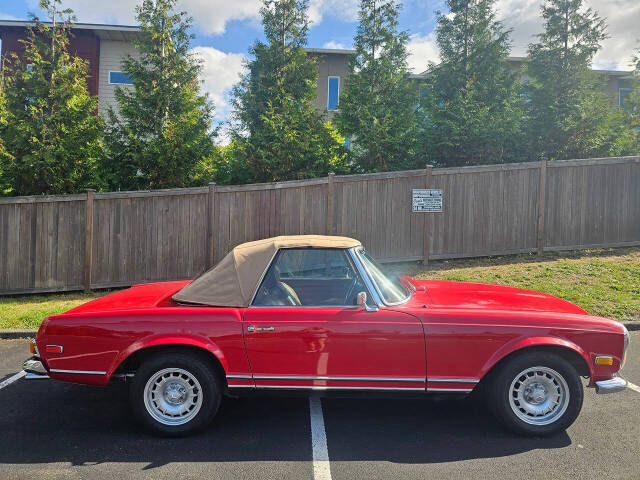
310	334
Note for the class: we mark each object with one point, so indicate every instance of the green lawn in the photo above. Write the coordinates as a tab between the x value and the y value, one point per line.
603	282
28	311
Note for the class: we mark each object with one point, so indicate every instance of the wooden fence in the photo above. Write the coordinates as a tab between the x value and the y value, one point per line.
96	240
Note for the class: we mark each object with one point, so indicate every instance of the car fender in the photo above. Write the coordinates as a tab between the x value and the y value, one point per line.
166	340
527	342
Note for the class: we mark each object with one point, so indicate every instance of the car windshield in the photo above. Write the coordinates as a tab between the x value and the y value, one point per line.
390	287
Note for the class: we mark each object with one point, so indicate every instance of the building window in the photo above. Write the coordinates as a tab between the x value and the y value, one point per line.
333	94
119	78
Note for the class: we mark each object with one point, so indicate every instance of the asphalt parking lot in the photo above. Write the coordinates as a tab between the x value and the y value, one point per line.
59	431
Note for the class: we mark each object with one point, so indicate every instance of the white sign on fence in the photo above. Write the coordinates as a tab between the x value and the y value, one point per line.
427	200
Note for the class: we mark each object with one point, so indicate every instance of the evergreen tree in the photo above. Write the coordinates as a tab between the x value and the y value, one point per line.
569	115
472	108
277	131
632	102
49	129
162	129
378	103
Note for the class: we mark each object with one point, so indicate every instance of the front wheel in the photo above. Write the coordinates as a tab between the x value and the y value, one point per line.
175	394
536	394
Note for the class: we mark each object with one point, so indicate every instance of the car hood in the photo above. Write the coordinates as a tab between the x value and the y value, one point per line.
468	295
146	295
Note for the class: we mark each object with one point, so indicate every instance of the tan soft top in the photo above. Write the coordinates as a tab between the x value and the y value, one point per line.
234	280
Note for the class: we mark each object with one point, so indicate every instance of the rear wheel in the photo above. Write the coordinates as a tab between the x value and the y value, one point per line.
175	394
536	393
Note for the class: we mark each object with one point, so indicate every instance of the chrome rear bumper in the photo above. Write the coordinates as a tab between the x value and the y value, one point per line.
616	384
34	369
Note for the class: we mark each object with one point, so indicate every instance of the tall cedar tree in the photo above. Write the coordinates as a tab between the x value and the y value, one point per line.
49	129
632	102
472	106
163	127
277	131
378	104
569	115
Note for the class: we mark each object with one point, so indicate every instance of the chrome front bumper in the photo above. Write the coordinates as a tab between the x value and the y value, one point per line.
616	384
34	369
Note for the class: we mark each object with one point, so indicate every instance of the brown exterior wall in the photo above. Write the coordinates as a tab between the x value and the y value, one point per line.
84	44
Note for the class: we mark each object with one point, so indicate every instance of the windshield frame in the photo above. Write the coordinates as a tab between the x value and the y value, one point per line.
358	254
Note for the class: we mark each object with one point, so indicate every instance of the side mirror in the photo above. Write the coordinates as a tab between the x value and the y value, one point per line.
361	301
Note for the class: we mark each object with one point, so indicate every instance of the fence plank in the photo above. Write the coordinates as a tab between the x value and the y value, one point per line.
46	243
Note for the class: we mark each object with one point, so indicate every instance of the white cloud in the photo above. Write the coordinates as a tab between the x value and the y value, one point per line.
422	50
335	45
346	10
219	73
622	17
210	16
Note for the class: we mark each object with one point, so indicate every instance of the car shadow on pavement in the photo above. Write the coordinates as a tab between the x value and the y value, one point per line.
47	421
422	431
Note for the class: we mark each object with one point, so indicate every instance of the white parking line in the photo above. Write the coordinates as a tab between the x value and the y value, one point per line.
12	379
633	387
321	465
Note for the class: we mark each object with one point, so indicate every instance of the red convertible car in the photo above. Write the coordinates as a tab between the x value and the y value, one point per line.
318	313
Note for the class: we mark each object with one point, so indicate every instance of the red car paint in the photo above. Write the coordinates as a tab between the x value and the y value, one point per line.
451	333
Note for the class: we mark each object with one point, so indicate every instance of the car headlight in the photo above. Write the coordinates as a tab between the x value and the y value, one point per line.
626	345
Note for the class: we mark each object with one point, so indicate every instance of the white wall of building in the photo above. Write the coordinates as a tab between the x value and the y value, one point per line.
112	53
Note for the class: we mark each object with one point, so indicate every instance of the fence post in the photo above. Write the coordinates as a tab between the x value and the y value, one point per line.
88	239
542	192
211	223
427	221
331	188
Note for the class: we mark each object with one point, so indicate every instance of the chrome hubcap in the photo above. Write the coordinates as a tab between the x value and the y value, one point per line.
173	396
539	395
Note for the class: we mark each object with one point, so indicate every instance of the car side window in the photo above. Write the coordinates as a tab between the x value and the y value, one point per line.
310	277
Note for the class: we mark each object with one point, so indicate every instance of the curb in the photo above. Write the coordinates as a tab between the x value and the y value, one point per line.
13	334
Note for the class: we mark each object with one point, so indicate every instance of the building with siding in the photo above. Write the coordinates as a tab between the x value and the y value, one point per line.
106	46
103	46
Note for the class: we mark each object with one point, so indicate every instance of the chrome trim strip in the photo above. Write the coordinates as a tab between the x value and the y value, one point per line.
77	372
339	379
460	390
309	387
244	377
241	386
453	380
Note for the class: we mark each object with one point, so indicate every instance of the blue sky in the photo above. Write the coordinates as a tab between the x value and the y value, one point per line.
226	28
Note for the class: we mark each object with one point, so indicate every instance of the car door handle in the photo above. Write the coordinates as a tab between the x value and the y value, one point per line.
251	328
